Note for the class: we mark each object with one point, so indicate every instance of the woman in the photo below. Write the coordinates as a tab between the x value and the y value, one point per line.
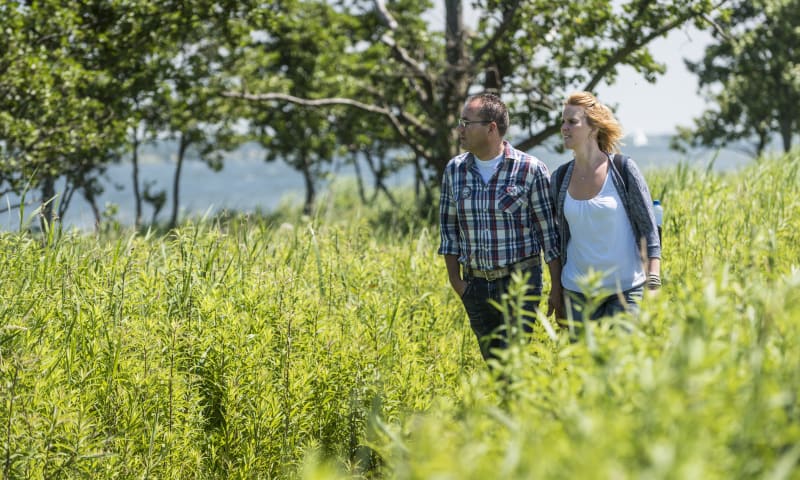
605	216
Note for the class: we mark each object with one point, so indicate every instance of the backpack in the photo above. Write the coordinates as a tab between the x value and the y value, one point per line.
619	162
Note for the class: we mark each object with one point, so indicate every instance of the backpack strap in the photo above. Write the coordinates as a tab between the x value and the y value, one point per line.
620	162
560	173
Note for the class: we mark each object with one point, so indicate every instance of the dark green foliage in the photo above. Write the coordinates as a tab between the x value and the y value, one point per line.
410	78
751	76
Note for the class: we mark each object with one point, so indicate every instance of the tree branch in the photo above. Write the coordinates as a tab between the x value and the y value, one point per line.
718	28
500	32
415	146
630	47
321	102
538	138
333	101
386	17
425	92
627	49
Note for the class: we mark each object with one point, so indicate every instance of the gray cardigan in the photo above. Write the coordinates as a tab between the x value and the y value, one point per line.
635	198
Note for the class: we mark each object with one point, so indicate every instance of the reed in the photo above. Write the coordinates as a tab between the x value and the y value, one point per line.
332	346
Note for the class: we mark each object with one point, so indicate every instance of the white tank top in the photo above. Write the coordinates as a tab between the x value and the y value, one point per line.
601	239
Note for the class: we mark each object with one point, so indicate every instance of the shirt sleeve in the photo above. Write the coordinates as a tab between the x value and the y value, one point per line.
448	220
544	218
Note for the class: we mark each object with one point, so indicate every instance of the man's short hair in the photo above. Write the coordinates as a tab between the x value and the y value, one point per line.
493	109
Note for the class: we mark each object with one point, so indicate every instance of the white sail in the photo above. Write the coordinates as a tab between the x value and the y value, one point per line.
639	138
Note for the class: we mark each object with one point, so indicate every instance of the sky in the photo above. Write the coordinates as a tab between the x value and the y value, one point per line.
657	108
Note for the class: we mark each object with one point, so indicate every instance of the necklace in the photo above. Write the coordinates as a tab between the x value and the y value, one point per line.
590	171
583	175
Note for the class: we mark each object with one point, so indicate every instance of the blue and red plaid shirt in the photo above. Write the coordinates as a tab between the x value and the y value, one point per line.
497	224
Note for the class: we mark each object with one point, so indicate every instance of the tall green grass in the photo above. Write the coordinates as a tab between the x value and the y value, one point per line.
332	346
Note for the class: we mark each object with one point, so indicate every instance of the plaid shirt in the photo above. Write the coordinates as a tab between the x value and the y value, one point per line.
492	225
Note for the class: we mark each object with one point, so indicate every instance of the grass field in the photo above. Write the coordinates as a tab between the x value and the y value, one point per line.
333	347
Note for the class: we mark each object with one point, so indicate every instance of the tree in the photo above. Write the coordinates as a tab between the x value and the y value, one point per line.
180	52
752	77
370	143
297	46
195	120
54	119
398	70
192	102
82	83
77	77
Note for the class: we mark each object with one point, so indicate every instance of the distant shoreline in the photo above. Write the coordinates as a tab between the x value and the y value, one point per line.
247	182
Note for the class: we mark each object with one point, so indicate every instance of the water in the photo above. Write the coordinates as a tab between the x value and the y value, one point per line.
247	182
657	154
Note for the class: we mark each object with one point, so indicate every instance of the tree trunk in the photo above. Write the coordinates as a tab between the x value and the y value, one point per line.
311	193
786	134
137	196
359	179
64	201
454	94
378	175
48	197
763	139
90	198
500	65
418	178
176	183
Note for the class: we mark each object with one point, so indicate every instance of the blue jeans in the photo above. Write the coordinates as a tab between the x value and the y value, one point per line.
487	321
627	301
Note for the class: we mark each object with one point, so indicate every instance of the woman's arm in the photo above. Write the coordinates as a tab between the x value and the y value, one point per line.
641	205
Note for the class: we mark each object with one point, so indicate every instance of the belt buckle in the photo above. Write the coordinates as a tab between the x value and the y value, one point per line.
493	275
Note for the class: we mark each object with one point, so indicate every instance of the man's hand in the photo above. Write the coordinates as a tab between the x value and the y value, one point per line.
555	303
454	274
459	285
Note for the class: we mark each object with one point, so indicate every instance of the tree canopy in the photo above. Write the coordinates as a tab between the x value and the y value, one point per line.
84	83
57	117
411	76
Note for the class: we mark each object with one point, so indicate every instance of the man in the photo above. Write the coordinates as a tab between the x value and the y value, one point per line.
496	217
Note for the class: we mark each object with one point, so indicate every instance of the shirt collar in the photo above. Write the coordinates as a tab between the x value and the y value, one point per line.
507	153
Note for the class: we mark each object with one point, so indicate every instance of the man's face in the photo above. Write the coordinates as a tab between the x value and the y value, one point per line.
473	131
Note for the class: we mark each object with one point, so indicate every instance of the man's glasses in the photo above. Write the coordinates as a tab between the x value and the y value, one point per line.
464	123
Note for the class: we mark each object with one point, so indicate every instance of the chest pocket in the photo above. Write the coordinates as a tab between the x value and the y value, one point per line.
512	199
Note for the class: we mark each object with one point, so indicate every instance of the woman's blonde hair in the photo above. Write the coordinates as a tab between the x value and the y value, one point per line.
609	131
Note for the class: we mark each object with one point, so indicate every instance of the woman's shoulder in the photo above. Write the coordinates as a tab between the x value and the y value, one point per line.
557	178
564	166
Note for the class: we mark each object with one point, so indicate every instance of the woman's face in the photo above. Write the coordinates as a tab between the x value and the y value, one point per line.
575	129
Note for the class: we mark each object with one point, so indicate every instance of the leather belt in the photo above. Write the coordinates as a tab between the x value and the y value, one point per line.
502	272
